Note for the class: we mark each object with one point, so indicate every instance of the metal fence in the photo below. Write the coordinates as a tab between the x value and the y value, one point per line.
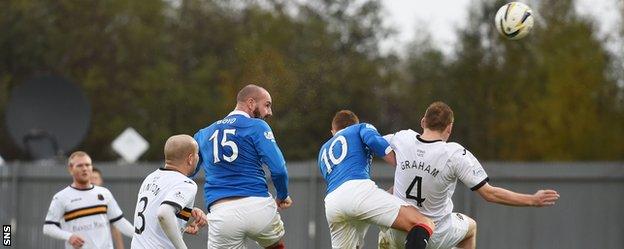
588	215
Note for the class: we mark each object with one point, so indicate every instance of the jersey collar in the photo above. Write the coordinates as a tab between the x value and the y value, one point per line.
83	189
237	112
427	141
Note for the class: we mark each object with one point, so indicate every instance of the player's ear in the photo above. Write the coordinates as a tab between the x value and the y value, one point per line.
422	122
251	102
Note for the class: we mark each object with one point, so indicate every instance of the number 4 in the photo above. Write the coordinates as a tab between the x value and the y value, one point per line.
418	198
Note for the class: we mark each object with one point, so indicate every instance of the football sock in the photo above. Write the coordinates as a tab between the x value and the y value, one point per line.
279	246
418	237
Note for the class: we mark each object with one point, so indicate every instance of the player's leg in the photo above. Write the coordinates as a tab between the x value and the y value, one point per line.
226	226
418	227
343	235
278	245
361	227
342	221
385	240
381	208
470	239
265	223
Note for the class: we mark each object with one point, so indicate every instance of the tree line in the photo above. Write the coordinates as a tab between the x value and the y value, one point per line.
167	67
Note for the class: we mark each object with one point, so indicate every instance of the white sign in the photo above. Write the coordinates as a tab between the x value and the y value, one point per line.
130	145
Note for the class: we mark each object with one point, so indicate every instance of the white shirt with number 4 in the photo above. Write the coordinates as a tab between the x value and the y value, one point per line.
427	172
161	186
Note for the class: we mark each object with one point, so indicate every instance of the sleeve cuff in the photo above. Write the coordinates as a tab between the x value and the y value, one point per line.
478	186
113	220
177	206
388	150
52	223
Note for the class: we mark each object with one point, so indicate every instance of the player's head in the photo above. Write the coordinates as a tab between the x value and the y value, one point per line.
438	118
80	167
182	153
343	119
96	177
254	100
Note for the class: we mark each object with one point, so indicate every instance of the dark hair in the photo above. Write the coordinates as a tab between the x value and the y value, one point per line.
96	170
344	118
438	116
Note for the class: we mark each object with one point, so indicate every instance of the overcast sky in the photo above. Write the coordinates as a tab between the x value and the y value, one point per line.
442	17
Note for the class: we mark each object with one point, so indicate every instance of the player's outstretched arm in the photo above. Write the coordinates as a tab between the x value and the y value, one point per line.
167	220
506	197
125	227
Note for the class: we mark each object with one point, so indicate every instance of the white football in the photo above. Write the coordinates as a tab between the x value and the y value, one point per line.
514	20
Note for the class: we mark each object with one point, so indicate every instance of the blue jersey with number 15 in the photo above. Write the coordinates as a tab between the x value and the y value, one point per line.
232	152
348	154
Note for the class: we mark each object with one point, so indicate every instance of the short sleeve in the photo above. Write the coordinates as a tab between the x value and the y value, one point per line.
373	140
182	195
113	212
55	212
469	170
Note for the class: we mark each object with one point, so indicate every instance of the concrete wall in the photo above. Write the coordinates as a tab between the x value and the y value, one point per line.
588	214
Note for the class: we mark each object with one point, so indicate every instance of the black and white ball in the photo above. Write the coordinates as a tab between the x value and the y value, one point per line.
514	20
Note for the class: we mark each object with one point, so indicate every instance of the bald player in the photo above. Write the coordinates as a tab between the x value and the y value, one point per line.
164	208
232	152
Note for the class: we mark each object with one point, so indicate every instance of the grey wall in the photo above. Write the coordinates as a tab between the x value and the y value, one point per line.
588	214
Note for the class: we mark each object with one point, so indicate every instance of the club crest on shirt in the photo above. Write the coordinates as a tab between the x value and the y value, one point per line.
179	195
100	197
370	126
477	172
269	135
420	153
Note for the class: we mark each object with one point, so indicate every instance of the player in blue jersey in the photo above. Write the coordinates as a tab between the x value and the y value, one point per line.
354	201
232	152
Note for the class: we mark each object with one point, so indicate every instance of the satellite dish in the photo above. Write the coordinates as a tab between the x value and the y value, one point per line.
47	116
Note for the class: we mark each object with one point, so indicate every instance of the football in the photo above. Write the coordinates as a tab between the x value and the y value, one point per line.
514	20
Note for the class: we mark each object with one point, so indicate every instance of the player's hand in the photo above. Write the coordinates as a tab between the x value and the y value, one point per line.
76	241
199	217
192	228
284	204
545	198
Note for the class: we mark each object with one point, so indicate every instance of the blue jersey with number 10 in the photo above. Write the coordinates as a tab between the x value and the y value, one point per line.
232	152
348	154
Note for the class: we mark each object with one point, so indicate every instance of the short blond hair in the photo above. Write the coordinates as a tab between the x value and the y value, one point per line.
76	154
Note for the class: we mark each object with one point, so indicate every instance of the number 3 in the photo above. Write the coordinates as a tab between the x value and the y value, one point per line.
140	214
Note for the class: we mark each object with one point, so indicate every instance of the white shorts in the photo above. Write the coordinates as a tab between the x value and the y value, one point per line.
256	218
353	206
455	226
